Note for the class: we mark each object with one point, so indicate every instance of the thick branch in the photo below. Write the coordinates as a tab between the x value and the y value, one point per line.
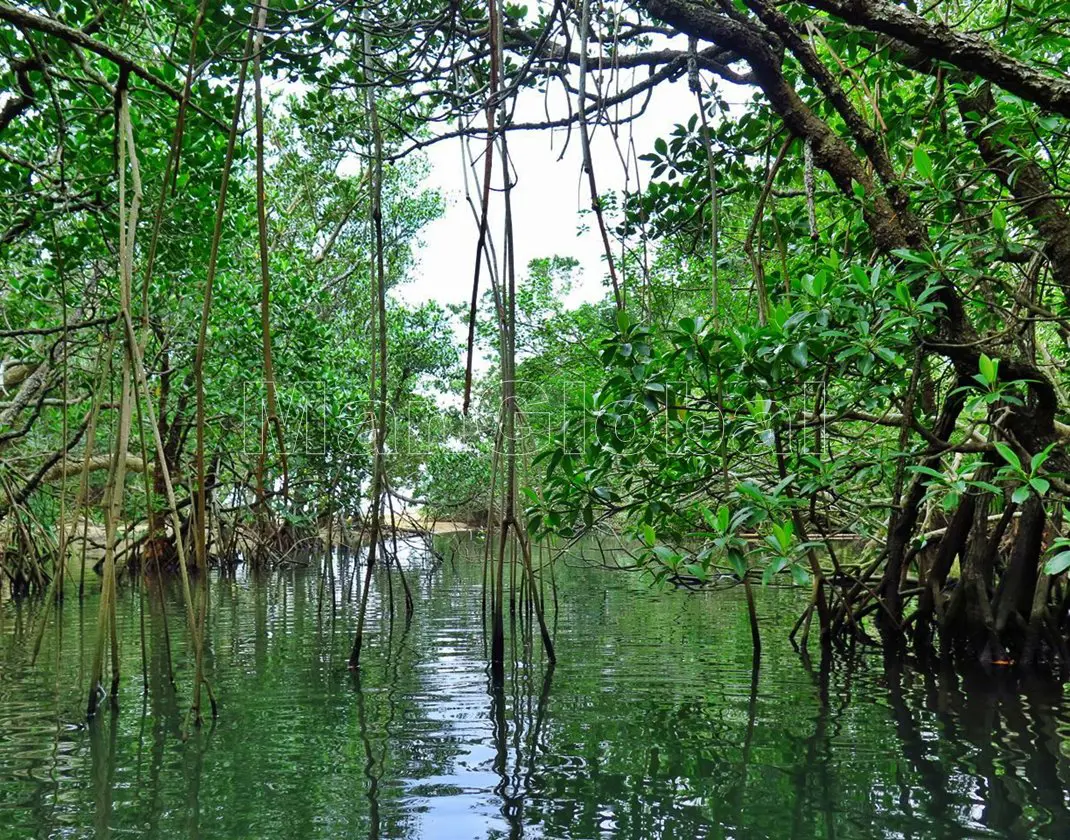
1024	179
966	51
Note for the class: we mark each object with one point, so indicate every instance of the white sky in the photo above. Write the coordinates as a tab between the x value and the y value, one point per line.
547	200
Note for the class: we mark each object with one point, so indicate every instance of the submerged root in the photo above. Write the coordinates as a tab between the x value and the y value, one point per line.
1003	610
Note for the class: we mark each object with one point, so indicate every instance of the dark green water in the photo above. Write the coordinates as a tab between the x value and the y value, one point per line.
651	726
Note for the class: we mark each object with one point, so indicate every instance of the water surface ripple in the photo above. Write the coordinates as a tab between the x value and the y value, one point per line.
653	725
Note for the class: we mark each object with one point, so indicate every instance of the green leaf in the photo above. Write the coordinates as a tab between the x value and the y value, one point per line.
1058	564
923	163
888	354
667	556
695	570
750	489
1040	485
1008	455
1020	494
929	471
782	533
902	294
1037	461
649	535
910	256
799	575
988	368
999	221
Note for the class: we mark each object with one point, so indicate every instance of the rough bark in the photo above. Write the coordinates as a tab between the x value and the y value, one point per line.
951	546
1019	581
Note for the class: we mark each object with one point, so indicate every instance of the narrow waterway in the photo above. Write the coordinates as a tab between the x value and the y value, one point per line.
653	725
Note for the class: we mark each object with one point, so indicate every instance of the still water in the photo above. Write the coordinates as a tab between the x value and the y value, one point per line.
653	725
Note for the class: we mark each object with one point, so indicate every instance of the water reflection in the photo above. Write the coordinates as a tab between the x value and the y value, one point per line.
655	723
371	767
